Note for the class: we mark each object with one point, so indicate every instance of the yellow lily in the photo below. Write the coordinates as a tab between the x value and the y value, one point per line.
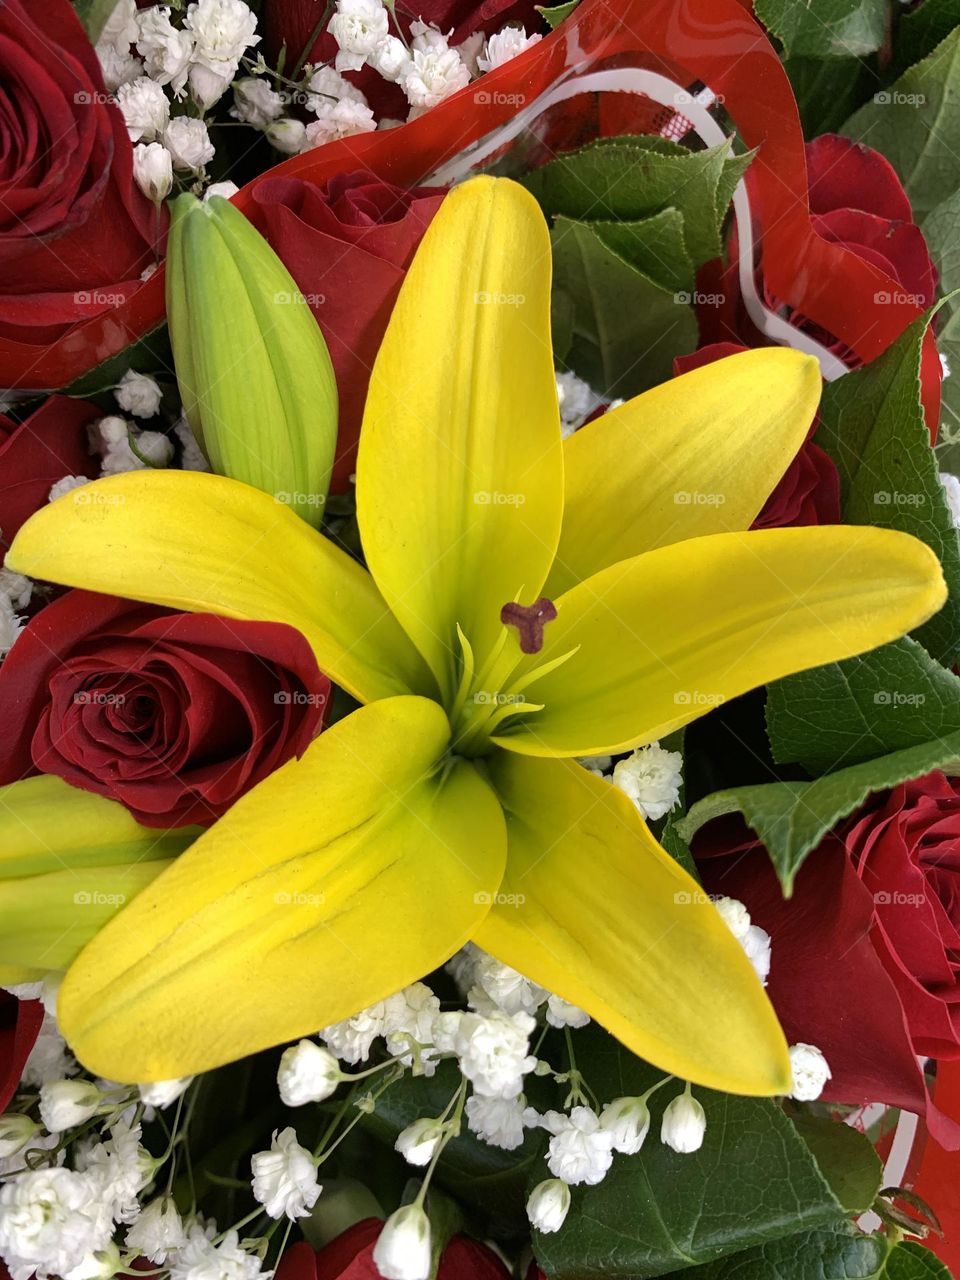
449	808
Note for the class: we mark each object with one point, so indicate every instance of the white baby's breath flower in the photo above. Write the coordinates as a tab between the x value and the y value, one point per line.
139	394
351	1039
494	1052
285	1177
580	1151
189	143
343	119
627	1120
651	777
358	26
222	31
503	46
307	1073
225	190
390	58
328	85
145	109
116	68
166	51
157	1231
201	1259
434	73
11	625
419	1141
153	170
287	135
497	1121
65	1104
51	1223
254	102
402	1251
810	1072
548	1205
561	1013
161	1093
683	1124
120	28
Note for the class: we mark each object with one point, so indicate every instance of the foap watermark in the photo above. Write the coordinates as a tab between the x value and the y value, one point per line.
484	98
97	98
297	499
484	298
888	898
498	899
94	898
894	98
90	495
698	698
494	698
97	698
899	297
97	298
702	98
285	298
298	898
494	498
694	897
695	498
699	299
299	698
896	498
896	698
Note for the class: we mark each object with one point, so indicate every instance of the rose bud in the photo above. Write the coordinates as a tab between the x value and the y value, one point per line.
230	299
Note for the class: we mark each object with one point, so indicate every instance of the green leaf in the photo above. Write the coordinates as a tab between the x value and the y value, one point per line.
791	818
555	15
872	426
825	28
754	1179
94	14
628	179
941	230
654	247
828	91
840	714
833	1253
845	1157
920	30
915	124
625	328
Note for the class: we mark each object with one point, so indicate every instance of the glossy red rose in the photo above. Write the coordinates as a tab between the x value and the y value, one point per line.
864	954
20	1022
348	244
75	231
48	445
175	715
350	1257
809	491
856	200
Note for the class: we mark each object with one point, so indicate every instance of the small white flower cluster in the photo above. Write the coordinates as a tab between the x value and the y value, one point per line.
15	593
427	69
651	777
124	447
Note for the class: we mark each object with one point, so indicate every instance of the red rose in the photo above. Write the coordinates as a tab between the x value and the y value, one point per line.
175	715
350	1257
20	1022
809	490
866	953
857	200
34	455
75	231
348	244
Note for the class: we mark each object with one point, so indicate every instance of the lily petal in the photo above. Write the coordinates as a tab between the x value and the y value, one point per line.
208	544
459	478
595	911
700	454
668	636
69	861
341	878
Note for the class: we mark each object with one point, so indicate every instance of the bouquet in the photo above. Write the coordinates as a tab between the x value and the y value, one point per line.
479	615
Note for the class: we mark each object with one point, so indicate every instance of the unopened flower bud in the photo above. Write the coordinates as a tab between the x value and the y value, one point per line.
307	1073
153	170
684	1124
418	1142
402	1251
15	1132
627	1120
548	1205
810	1072
64	1104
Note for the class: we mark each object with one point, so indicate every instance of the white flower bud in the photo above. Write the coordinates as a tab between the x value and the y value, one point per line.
208	86
64	1104
548	1205
188	142
810	1072
503	46
254	102
223	189
390	58
419	1141
15	1132
153	170
651	777
402	1251
683	1124
157	1231
286	135
307	1073
138	394
627	1120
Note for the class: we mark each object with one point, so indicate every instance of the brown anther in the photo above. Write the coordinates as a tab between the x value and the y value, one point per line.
529	619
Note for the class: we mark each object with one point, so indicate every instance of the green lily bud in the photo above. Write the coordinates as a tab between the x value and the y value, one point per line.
255	375
69	861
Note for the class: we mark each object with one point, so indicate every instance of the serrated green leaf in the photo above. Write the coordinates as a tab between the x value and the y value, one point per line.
915	124
872	426
825	28
754	1179
837	715
909	1261
554	15
625	329
941	230
791	818
654	246
921	29
628	179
